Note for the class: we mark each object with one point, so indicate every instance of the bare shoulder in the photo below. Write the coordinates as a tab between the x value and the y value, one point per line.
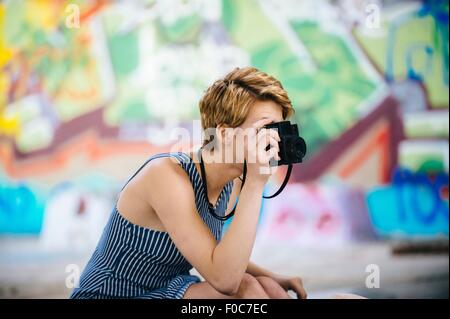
162	187
167	189
165	174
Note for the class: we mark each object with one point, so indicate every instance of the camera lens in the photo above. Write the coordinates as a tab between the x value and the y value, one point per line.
295	149
291	149
301	147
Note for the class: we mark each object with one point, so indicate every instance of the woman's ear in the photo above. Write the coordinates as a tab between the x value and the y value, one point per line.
224	134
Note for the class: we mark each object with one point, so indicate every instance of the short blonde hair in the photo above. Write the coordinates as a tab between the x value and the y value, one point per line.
227	101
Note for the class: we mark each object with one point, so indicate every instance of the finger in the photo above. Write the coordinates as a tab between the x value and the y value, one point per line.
273	152
274	145
261	123
264	154
274	132
300	291
268	141
275	155
269	137
270	132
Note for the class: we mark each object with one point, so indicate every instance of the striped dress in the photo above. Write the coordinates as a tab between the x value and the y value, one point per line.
131	261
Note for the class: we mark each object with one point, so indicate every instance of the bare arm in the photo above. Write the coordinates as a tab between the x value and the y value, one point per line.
256	271
235	248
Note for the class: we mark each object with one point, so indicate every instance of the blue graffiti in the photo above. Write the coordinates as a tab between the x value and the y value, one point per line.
403	178
413	205
21	210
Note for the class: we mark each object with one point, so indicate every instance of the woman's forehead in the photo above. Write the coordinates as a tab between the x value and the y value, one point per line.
265	109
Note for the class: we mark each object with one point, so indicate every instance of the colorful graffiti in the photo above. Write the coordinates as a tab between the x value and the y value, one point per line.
413	204
371	100
316	214
21	209
412	45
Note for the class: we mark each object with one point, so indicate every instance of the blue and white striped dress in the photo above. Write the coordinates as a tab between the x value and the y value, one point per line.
131	261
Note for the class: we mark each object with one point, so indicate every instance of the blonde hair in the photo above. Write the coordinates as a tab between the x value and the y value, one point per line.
227	101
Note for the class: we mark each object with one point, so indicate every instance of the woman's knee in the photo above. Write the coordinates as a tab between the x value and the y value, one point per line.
250	288
272	288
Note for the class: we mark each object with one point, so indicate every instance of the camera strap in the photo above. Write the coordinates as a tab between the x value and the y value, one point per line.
244	174
283	185
210	206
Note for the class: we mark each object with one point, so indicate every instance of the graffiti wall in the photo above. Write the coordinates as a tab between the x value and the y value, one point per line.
87	95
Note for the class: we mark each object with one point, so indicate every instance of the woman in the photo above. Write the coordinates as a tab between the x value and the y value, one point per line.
169	215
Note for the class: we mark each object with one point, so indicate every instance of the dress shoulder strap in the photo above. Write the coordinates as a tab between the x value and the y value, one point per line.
182	158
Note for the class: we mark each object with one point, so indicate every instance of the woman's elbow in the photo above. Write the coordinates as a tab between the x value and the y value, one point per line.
227	285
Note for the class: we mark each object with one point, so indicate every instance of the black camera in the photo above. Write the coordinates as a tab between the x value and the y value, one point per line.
292	146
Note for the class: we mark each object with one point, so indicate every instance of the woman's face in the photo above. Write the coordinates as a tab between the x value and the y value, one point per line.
263	110
260	110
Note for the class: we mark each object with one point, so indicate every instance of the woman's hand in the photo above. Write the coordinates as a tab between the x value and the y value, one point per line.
291	283
258	158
